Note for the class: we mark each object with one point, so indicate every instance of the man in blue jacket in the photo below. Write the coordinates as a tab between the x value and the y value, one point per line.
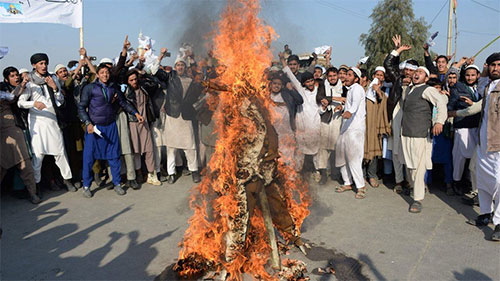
98	106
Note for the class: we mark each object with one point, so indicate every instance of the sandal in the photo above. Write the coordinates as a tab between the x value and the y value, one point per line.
416	207
361	194
398	188
373	182
343	188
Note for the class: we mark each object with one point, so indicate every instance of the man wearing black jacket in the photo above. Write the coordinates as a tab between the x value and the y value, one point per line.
400	80
180	122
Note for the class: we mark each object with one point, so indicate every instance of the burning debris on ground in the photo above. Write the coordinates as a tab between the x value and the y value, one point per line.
293	270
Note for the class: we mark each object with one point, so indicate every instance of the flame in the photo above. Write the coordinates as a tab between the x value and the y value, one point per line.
242	46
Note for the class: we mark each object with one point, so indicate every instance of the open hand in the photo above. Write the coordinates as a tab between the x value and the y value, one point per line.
397	40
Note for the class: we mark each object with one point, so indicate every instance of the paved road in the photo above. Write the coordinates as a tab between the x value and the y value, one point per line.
136	236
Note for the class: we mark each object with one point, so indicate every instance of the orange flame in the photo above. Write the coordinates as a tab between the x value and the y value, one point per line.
242	46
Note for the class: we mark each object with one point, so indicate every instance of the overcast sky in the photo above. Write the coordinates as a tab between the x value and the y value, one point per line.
302	24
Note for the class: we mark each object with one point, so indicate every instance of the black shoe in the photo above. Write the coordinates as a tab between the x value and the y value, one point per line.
481	220
87	193
496	233
69	186
133	184
119	190
457	188
196	176
171	179
449	190
35	199
54	186
324	177
161	177
39	190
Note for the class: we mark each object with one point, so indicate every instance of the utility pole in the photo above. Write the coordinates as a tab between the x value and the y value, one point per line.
450	28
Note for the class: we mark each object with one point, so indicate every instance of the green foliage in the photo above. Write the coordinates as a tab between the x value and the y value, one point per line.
389	18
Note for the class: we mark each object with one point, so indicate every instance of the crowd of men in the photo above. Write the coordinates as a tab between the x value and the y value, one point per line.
146	120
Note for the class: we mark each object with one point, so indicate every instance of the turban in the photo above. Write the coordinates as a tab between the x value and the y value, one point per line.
38	57
493	57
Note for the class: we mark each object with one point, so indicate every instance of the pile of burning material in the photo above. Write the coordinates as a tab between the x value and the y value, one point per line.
195	264
231	231
293	270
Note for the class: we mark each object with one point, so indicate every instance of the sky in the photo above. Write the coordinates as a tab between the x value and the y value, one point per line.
303	24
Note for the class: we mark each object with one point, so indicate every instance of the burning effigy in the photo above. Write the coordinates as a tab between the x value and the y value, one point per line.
246	189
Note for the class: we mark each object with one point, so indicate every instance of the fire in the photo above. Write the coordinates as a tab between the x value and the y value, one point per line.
242	46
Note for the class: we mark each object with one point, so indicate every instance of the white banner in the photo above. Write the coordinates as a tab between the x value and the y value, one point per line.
68	12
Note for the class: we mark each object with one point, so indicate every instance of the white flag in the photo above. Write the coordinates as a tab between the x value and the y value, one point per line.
68	12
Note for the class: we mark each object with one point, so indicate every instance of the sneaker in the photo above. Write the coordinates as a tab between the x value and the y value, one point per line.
133	184
171	179
35	199
153	179
196	176
86	192
316	176
69	186
119	190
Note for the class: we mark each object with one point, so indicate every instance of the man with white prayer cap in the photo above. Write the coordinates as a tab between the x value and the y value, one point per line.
417	127
488	150
180	121
377	125
350	144
401	79
466	128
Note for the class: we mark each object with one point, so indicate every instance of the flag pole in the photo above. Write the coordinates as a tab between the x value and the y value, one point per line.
81	37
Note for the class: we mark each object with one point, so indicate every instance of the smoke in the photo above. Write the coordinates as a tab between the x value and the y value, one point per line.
198	21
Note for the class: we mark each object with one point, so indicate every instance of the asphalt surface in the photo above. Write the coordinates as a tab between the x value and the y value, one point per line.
136	236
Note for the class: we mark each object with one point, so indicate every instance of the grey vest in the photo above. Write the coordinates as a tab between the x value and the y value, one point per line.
417	114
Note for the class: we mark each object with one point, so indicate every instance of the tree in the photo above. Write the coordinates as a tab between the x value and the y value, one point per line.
391	17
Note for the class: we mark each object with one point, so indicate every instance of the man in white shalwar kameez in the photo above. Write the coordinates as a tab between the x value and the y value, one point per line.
41	96
350	143
331	120
180	120
416	125
307	119
488	151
